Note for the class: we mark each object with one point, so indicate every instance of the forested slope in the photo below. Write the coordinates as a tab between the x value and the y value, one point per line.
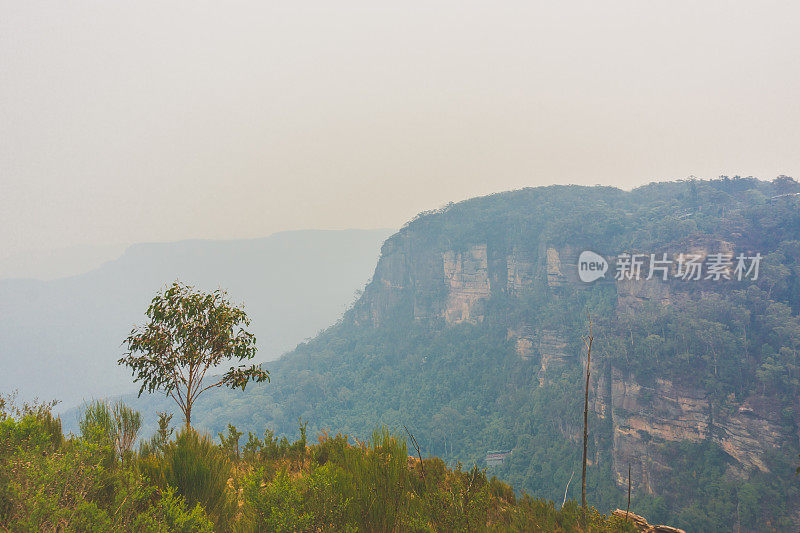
470	334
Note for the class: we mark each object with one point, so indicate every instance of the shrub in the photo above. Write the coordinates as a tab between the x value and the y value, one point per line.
274	507
117	425
172	514
158	441
325	500
199	471
230	443
379	481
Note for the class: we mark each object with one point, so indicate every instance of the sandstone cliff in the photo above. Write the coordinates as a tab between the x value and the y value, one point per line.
426	281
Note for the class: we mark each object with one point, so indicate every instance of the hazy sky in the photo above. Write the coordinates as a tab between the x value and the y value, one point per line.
150	121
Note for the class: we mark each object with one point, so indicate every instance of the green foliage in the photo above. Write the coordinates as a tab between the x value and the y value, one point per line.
53	484
539	515
272	447
172	514
117	425
230	442
158	441
325	500
379	481
97	423
274	505
189	333
460	501
198	471
187	484
127	424
464	390
374	486
35	425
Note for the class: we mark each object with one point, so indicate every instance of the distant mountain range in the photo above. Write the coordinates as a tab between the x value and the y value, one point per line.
60	339
57	263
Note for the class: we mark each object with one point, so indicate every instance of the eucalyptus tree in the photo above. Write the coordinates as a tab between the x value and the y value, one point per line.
190	333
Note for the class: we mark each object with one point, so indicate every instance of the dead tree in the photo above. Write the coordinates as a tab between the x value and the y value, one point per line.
416	447
567	489
628	509
587	341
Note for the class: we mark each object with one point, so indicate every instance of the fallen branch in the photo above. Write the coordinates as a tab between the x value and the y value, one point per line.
416	447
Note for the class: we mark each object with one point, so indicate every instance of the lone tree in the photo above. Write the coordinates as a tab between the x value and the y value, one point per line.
189	333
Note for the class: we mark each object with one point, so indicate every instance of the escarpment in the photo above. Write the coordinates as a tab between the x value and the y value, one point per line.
429	276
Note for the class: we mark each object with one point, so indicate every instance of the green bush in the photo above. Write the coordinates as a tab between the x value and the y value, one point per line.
158	441
325	500
117	425
189	485
378	481
171	514
274	505
199	471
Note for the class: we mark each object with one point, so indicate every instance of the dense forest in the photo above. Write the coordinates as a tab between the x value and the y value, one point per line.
463	388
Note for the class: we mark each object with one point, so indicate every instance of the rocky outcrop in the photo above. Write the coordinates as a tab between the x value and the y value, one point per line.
562	267
408	282
643	417
520	271
749	431
643	525
701	246
631	293
523	337
555	274
417	279
456	268
553	350
548	345
421	281
466	275
640	414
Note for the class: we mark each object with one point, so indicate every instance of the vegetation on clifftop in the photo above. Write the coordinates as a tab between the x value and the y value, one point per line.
189	483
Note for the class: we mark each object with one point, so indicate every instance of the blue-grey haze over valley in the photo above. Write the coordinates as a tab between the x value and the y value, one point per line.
61	338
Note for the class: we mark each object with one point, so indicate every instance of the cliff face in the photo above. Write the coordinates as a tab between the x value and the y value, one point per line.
409	281
426	281
466	276
644	417
432	282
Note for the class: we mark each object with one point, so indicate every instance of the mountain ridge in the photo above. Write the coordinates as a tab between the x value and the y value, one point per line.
469	335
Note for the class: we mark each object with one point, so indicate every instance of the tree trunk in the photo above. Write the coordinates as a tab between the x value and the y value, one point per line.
588	342
628	509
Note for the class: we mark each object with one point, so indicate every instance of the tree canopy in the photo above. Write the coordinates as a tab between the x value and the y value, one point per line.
191	332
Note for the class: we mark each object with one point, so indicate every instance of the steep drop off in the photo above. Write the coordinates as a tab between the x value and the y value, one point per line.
469	334
642	416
